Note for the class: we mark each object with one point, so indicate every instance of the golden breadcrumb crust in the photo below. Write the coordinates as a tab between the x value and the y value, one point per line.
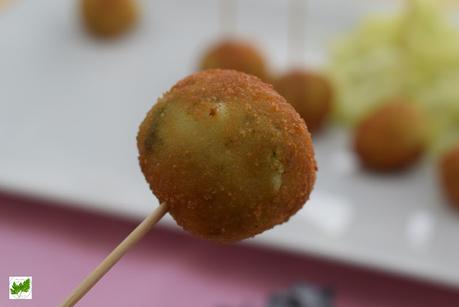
228	155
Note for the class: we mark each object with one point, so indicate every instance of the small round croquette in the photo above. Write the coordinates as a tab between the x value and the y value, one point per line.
236	55
449	175
108	18
392	138
228	155
310	94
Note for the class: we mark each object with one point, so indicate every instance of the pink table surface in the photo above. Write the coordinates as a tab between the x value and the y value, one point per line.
58	247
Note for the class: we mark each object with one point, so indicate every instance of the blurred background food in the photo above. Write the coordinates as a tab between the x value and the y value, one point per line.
237	55
411	53
377	79
310	93
392	137
109	17
449	169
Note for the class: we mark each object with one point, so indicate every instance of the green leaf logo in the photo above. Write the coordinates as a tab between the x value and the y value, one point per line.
20	288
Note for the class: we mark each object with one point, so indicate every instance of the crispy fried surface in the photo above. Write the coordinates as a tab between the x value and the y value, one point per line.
392	138
449	175
237	55
109	18
228	154
310	94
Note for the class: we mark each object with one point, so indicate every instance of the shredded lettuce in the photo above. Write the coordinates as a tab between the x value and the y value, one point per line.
414	54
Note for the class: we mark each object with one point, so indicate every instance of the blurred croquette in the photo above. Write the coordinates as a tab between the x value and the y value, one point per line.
449	175
310	94
236	55
391	138
108	18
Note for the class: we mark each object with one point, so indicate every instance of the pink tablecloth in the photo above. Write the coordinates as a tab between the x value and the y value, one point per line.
59	247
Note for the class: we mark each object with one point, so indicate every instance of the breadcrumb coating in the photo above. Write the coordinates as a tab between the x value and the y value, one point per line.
228	155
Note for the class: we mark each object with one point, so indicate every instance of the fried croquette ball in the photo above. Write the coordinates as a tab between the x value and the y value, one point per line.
237	55
109	18
449	175
310	94
391	138
228	155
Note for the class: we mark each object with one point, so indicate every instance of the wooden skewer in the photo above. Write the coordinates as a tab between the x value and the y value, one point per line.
297	31
227	16
116	255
